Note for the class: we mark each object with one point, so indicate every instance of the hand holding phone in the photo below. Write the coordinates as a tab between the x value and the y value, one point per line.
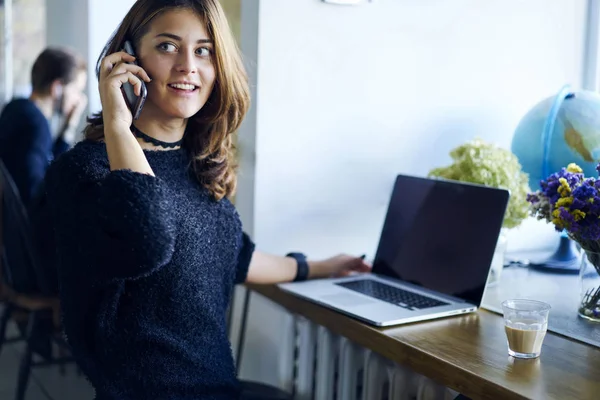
134	102
120	82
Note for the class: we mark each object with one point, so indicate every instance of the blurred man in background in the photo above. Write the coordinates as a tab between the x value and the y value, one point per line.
27	142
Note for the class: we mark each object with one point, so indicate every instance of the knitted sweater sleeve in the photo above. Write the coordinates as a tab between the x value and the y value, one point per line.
117	225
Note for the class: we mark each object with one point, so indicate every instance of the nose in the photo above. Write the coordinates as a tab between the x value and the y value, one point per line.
186	62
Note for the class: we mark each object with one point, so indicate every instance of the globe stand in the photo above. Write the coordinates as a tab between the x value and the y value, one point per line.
565	260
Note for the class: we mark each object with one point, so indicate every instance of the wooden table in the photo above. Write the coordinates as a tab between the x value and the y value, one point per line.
466	353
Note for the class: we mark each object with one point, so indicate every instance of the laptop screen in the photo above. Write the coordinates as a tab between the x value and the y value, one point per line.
441	235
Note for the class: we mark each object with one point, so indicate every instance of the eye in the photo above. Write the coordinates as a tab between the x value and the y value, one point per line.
167	47
204	51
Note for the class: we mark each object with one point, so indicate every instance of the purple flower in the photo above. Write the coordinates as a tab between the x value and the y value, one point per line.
533	198
594	207
550	187
571	202
590	230
589	182
566	216
584	192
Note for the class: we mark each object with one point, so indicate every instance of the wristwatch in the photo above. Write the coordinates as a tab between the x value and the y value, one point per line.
302	273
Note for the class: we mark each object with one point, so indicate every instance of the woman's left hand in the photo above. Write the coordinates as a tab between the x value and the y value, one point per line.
337	266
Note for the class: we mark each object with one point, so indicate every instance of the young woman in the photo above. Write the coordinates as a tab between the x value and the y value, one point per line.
150	246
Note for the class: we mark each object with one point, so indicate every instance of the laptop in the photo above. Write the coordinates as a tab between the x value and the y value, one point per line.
433	258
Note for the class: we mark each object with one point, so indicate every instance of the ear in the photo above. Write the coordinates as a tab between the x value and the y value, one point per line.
56	89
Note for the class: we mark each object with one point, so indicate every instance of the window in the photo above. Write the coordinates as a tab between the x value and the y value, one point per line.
29	39
28	30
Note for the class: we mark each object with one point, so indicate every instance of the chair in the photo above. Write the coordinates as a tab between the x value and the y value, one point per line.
251	389
26	291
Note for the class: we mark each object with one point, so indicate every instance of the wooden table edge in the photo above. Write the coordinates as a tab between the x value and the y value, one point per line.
405	354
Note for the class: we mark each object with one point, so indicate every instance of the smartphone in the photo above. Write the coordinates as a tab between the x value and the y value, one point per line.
134	102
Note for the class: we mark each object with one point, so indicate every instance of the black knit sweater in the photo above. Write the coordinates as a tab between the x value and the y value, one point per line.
147	266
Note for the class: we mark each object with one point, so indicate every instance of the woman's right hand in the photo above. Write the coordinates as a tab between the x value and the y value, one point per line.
115	70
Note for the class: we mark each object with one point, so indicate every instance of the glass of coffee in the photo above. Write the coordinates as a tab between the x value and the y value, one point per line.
525	323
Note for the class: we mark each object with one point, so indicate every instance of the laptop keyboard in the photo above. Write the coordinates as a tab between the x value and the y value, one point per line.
392	294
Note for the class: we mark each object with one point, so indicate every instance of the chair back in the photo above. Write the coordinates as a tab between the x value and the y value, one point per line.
19	255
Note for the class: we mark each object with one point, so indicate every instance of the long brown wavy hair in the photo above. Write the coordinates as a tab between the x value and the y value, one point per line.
209	133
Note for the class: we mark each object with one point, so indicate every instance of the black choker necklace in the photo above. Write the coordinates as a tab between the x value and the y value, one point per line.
156	142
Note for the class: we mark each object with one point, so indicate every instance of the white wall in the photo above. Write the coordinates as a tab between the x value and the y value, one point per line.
348	96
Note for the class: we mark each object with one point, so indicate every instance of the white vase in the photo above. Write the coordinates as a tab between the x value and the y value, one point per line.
498	260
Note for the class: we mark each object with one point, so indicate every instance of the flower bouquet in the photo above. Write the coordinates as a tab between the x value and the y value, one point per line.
571	202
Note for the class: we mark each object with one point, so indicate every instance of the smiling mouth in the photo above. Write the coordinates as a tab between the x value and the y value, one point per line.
184	87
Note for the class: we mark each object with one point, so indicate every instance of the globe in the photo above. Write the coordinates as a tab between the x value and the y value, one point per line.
559	130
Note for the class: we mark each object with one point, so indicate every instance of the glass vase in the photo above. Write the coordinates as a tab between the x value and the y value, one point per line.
498	260
589	279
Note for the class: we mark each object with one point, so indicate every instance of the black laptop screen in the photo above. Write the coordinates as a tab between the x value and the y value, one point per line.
441	235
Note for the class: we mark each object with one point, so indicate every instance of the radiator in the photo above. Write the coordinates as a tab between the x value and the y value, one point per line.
331	367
